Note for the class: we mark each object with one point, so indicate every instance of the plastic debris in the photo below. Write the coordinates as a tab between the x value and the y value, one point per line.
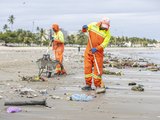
1	91
138	88
28	92
112	73
13	109
81	97
43	92
132	83
56	97
30	78
107	88
25	91
1	97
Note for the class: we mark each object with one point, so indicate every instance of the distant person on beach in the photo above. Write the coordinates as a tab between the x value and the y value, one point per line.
58	48
98	38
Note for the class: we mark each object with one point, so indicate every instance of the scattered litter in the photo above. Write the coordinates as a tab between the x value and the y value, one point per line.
31	96
1	91
107	87
30	78
28	92
67	93
111	73
114	117
118	84
56	97
13	109
43	78
43	92
8	84
1	97
81	97
138	88
153	68
25	91
124	62
132	83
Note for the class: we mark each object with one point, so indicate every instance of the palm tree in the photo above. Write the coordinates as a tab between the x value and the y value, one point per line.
42	36
5	27
11	20
37	28
42	33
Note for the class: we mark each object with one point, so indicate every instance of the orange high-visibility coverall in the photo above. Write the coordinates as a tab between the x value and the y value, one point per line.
58	47
99	39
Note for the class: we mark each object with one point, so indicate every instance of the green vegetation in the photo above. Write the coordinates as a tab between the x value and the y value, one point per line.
120	41
21	36
79	38
27	37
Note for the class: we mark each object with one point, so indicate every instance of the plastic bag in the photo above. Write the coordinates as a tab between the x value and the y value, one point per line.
13	109
81	97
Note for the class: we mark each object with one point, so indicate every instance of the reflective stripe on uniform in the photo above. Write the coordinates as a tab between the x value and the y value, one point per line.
96	76
88	75
58	69
107	39
95	29
93	75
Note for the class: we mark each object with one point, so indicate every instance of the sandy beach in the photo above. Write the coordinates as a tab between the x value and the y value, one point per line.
119	102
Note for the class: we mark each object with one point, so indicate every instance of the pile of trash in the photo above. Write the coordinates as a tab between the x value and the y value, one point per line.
121	63
112	73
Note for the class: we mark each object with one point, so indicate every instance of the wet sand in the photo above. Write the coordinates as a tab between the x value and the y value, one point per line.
119	102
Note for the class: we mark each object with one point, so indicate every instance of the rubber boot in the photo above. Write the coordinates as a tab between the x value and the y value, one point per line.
86	88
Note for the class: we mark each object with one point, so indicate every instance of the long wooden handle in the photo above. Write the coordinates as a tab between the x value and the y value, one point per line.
94	55
48	47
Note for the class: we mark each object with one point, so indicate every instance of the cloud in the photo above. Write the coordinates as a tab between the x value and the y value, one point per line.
131	18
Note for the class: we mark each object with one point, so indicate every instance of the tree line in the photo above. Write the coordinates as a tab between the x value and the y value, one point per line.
82	39
39	37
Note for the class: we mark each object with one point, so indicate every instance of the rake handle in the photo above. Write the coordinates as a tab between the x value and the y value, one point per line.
94	56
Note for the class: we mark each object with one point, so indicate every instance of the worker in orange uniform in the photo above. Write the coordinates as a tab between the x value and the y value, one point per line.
99	37
58	48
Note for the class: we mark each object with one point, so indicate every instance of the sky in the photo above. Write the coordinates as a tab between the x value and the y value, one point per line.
132	18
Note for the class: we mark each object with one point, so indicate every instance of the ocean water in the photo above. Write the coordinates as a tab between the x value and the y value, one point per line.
152	56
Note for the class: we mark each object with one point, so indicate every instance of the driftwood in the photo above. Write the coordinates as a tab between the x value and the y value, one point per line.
29	102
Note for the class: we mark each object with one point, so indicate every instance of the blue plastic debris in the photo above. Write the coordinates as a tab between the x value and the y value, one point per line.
81	97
